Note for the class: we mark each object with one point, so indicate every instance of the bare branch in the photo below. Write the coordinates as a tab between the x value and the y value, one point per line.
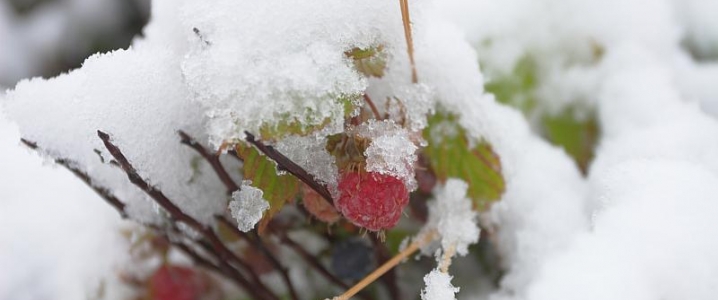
213	161
287	164
102	191
176	214
256	242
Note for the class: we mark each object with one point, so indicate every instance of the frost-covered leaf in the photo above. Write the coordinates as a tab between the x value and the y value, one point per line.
370	62
294	124
277	189
451	154
578	136
517	88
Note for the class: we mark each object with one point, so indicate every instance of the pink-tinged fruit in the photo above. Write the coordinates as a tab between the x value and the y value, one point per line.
178	283
371	200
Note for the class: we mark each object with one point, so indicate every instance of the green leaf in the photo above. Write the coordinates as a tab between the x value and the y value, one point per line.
370	62
451	156
262	171
516	89
578	136
290	124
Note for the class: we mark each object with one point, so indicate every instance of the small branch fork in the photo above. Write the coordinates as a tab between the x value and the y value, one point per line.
228	261
103	192
215	255
215	260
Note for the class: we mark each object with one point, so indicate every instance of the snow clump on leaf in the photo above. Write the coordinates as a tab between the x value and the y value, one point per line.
248	206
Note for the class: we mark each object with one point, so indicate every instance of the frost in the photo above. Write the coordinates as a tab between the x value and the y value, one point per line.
640	226
452	216
653	197
247	206
438	287
274	69
310	153
391	151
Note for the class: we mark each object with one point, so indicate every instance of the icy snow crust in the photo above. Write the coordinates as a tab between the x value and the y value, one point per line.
247	206
640	227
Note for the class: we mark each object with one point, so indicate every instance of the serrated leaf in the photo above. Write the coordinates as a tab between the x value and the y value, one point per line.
450	156
262	171
578	136
289	124
370	62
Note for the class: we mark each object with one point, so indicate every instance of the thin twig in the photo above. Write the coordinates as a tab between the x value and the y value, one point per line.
406	21
311	260
102	191
445	262
290	166
232	187
120	206
413	247
373	108
257	243
383	256
174	211
212	159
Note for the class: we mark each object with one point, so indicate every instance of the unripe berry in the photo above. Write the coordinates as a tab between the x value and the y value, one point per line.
371	200
178	283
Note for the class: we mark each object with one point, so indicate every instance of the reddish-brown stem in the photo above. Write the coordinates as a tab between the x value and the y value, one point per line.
175	212
102	191
120	206
212	159
257	244
288	165
373	108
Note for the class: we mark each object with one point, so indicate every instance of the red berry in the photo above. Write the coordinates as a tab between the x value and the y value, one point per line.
177	283
371	200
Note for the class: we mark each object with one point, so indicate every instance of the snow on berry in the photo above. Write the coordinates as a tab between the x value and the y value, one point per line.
247	206
371	200
391	151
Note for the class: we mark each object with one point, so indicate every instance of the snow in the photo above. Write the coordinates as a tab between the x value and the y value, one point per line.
391	152
653	197
452	216
276	69
49	251
310	153
640	226
247	206
438	287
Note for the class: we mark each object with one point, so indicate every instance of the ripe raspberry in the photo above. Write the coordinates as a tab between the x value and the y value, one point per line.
178	283
371	200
